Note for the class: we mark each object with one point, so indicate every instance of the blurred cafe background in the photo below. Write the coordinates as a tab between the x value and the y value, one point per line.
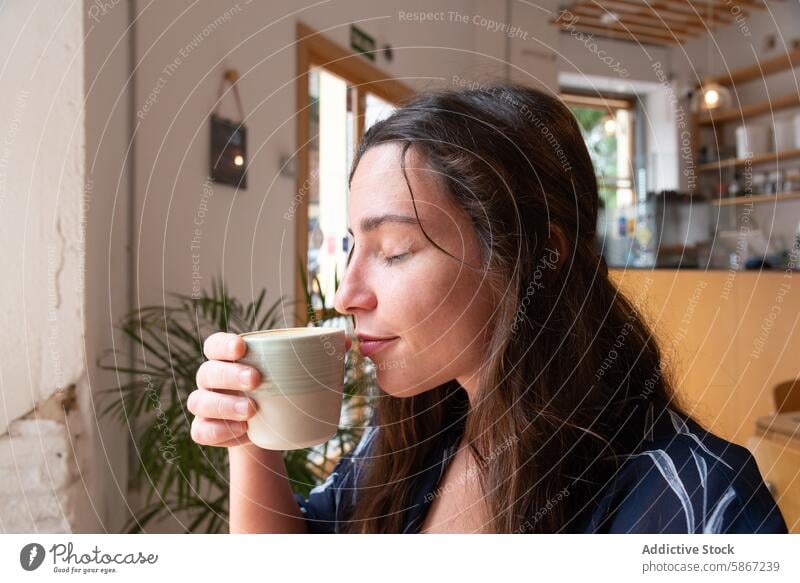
169	169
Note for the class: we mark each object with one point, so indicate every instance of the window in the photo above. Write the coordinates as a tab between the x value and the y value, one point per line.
340	95
607	128
331	133
332	128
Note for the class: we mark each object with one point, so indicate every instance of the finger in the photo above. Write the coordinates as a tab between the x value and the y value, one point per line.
224	346
214	431
347	343
217	374
213	405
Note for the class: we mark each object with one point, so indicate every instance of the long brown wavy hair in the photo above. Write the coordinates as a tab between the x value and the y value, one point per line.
573	375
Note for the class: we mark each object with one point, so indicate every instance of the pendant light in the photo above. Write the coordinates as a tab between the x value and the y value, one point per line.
712	95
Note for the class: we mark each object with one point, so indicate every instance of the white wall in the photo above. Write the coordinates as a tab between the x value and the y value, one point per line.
41	178
41	223
588	55
64	197
663	138
106	86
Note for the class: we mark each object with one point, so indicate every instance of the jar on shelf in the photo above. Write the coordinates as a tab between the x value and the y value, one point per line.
759	183
703	157
774	184
791	182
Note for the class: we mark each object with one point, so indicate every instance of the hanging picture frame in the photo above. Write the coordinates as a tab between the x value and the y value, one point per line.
228	160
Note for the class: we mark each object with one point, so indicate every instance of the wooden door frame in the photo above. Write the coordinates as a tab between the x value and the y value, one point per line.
314	49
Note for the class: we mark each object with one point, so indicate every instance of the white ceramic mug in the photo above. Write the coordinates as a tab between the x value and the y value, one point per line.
300	397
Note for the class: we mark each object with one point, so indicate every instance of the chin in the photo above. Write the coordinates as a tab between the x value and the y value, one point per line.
396	382
400	383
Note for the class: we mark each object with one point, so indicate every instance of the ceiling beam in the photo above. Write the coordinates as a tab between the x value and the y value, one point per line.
663	22
644	10
635	29
663	7
681	27
607	32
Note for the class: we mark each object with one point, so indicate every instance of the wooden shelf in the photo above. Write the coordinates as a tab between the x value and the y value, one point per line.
760	108
757	159
783	61
770	197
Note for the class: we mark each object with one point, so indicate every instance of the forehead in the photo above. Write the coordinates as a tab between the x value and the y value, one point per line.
378	185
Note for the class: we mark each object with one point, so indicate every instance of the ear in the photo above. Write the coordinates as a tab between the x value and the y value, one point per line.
558	244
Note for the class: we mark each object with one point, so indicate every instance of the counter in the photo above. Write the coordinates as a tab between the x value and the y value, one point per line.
728	337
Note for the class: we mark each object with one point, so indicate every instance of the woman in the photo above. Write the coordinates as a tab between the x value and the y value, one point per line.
520	392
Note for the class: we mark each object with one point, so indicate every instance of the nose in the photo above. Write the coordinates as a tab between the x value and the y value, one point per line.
355	294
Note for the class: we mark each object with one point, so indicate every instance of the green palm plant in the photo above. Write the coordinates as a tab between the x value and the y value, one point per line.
180	475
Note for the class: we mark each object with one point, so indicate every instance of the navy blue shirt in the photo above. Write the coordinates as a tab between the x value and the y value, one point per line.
683	479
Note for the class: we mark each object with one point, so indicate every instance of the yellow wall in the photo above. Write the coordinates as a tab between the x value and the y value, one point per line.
729	338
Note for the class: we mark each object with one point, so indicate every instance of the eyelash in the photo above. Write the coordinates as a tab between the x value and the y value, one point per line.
389	261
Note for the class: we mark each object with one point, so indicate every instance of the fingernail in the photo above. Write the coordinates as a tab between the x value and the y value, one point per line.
242	407
246	378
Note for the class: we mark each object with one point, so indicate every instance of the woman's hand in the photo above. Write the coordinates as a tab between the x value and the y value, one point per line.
221	411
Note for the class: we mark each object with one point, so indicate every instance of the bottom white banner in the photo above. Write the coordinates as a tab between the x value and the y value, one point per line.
101	557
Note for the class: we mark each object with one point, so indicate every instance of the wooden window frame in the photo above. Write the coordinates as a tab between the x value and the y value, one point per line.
315	50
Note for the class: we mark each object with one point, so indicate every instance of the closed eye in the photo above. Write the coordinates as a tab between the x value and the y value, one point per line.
395	258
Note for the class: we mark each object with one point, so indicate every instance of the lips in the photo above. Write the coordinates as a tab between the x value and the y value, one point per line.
369	345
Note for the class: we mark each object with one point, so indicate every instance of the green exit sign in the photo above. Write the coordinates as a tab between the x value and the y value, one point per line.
362	43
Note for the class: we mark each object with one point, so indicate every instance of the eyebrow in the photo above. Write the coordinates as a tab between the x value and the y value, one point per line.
372	223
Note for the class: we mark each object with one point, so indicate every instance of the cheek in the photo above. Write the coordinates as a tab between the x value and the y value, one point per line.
430	307
438	306
439	344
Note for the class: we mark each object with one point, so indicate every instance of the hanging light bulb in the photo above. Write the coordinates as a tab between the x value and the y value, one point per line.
713	96
610	126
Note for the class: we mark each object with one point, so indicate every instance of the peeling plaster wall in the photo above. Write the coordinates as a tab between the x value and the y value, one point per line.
41	177
42	345
63	211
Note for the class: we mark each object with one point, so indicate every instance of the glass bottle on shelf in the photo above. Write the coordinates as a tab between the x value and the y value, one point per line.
733	189
721	190
774	185
759	183
792	182
794	251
